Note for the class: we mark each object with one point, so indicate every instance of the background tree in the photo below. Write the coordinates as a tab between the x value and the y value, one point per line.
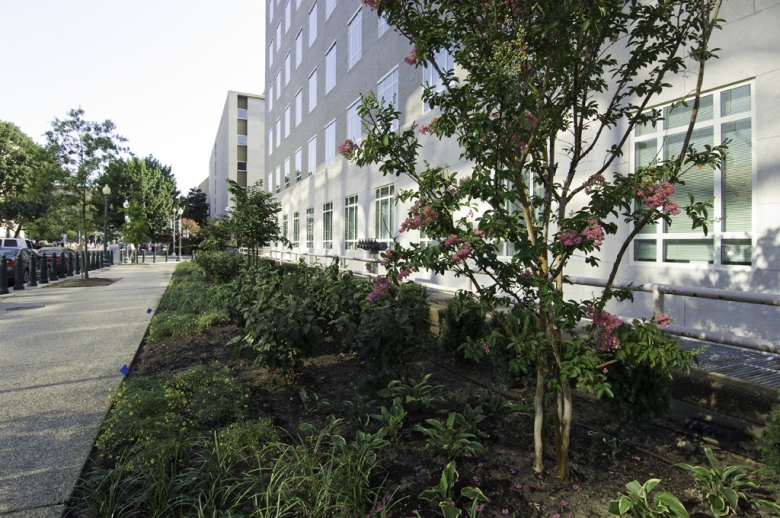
82	148
254	216
217	234
150	188
540	87
27	174
196	206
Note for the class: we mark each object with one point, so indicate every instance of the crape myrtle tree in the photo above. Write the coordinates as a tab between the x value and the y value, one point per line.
82	148
254	216
538	86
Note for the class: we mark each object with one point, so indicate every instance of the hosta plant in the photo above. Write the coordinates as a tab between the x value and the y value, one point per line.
636	502
721	487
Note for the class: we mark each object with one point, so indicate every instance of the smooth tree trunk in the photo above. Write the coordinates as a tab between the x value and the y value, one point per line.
539	422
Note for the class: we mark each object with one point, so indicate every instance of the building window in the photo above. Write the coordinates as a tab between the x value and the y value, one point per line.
330	143
313	24
271	183
298	107
278	34
278	83
382	26
286	173
270	11
387	92
241	113
287	121
330	69
723	115
384	210
313	90
271	141
279	183
299	48
270	97
327	226
278	131
431	77
296	240
287	69
330	5
351	222
354	123
297	4
241	140
298	164
355	46
285	226
313	155
426	240
241	166
287	16
271	54
310	227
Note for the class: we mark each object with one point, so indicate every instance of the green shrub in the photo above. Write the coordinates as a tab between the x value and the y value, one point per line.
392	330
641	382
247	438
511	355
220	266
771	440
279	319
463	327
147	413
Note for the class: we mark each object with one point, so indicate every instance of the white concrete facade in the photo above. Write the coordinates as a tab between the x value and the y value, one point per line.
237	153
748	59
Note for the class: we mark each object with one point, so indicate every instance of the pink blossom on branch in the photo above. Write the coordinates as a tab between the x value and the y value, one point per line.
607	324
463	253
419	217
593	181
347	148
662	320
452	240
594	232
656	196
373	4
381	285
411	59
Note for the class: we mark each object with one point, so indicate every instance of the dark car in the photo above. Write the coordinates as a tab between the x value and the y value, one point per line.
55	250
14	256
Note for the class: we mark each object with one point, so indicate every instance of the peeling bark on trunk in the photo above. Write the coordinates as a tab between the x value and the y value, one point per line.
539	423
563	412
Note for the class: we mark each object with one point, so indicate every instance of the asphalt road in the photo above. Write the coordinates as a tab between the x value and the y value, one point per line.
60	353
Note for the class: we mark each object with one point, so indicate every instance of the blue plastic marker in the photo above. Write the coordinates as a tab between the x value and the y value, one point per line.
124	370
149	310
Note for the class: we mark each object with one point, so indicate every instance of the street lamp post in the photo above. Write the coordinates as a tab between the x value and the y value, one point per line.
126	204
106	193
179	212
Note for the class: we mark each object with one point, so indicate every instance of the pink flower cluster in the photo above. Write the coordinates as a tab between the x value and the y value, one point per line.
347	148
419	216
656	196
463	253
607	325
592	232
531	120
423	129
373	4
452	240
479	233
389	253
594	181
411	59
381	285
369	267
662	320
403	274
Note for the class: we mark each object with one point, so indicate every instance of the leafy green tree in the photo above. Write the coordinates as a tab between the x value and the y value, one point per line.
150	190
27	173
254	216
542	91
217	234
196	206
82	148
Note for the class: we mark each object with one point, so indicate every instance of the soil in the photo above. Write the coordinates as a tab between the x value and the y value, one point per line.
82	283
504	472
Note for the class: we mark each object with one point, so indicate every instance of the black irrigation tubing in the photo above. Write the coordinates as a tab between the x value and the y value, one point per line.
638	448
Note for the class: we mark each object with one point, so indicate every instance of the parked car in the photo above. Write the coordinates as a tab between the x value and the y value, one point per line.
16	256
55	250
16	242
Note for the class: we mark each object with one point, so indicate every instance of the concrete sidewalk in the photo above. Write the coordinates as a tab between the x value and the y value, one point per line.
60	352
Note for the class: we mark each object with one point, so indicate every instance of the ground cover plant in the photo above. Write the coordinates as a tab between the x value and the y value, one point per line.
193	432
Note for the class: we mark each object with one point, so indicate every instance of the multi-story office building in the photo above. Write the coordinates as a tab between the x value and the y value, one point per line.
322	54
238	153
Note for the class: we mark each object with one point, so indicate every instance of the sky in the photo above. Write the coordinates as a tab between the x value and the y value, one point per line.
159	69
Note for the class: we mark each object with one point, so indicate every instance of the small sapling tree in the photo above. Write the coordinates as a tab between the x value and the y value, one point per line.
538	87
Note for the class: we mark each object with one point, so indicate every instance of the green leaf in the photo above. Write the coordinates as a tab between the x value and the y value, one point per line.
448	510
672	503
